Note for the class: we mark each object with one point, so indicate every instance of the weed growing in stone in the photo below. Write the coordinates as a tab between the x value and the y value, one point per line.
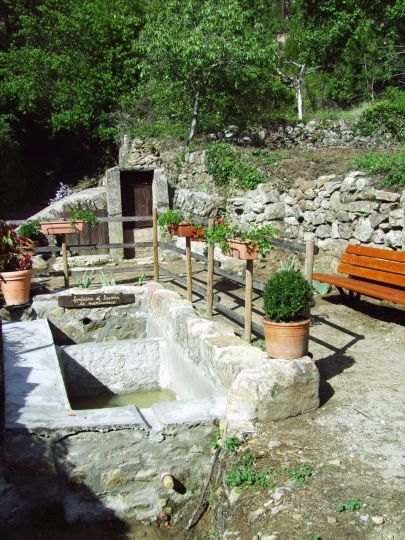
231	444
351	505
215	438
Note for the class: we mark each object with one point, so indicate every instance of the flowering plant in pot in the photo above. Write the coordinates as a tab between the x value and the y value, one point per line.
247	245
287	296
15	266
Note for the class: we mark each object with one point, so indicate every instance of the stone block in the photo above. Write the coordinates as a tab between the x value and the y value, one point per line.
277	390
275	211
364	231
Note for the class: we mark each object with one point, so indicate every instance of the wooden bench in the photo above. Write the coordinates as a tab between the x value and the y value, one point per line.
378	273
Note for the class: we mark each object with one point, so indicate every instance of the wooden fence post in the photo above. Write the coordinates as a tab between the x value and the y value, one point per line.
248	301
65	260
189	270
210	269
309	268
309	260
155	246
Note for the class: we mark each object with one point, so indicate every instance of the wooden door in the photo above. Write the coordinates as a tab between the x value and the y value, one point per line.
142	193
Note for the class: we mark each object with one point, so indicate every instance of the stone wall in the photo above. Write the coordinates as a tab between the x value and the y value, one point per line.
120	367
334	209
82	325
325	133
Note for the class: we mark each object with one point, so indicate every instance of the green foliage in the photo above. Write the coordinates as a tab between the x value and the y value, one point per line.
31	229
231	444
221	160
351	505
199	56
78	214
170	217
389	164
141	279
216	437
86	280
258	237
225	166
386	115
286	295
300	476
245	474
107	281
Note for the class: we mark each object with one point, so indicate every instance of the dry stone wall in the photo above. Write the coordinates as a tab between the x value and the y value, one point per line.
334	209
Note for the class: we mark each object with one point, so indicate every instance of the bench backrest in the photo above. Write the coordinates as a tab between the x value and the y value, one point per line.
374	264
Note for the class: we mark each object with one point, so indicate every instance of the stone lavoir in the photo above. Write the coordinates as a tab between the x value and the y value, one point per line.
103	462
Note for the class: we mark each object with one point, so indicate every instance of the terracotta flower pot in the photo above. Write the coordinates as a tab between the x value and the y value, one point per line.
173	229
242	250
197	235
16	287
286	340
61	227
185	230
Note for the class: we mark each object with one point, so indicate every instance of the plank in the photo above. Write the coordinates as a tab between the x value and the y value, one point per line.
375	264
381	292
75	301
373	275
379	253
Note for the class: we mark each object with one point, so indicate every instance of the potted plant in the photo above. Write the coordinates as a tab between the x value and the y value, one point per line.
15	266
287	296
170	220
31	231
247	245
74	224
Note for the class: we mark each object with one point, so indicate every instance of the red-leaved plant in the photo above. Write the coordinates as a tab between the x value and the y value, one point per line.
13	250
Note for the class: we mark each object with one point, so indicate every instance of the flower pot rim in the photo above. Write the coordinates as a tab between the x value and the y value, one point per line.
300	322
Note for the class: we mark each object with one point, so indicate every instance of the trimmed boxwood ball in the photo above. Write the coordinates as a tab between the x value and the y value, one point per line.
286	295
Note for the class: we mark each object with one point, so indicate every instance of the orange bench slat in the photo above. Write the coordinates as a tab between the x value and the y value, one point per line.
381	292
373	275
373	263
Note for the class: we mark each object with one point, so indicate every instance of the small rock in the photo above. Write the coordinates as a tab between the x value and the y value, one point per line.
296	517
268	503
335	462
274	444
331	520
280	493
233	496
378	520
269	536
277	510
364	518
254	516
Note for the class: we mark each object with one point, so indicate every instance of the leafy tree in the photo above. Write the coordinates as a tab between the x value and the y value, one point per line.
197	52
65	64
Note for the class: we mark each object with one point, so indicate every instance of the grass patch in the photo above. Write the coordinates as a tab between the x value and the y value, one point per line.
349	115
389	164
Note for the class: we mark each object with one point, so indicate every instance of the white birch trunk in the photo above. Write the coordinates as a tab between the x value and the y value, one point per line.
298	94
194	118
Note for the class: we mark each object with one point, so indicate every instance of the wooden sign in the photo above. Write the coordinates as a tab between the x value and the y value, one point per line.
76	301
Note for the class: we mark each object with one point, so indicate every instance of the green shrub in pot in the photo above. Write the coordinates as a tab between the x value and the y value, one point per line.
287	297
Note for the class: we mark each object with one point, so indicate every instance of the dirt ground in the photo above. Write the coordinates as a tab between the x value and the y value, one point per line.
353	444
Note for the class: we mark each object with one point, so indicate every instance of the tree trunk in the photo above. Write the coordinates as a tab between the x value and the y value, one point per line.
282	8
298	94
194	118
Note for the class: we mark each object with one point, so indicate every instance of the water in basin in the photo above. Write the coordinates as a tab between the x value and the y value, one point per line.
140	399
